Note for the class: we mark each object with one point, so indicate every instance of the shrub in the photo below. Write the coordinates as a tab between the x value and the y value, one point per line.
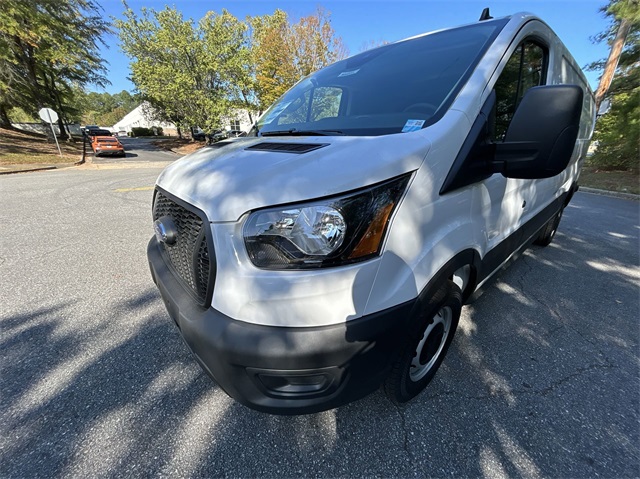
140	131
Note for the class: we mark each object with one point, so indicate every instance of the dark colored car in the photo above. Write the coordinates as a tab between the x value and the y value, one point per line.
216	136
93	132
199	136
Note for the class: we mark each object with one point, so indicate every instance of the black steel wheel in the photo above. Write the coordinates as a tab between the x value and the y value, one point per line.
431	332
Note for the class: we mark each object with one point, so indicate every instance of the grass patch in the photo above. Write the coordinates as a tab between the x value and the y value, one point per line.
182	146
621	181
41	159
18	148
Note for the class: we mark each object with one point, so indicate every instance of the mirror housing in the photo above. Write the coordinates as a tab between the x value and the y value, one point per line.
542	133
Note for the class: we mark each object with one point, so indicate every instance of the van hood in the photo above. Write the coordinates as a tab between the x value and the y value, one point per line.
233	177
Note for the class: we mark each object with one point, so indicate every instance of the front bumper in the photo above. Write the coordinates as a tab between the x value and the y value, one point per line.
284	370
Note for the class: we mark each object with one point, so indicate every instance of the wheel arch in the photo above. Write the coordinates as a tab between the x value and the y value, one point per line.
468	257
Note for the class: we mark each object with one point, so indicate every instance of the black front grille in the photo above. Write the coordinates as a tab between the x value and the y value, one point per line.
189	256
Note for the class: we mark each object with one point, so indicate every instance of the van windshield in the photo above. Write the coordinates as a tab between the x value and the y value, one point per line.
395	88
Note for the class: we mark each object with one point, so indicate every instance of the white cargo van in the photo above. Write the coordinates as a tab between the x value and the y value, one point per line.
331	252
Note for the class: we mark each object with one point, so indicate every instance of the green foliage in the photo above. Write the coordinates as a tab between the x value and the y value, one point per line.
284	53
140	131
18	115
183	69
617	132
197	74
103	108
46	47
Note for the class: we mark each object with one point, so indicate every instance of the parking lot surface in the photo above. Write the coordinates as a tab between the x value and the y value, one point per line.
542	379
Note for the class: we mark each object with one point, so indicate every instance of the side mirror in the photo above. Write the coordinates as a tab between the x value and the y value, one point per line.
542	133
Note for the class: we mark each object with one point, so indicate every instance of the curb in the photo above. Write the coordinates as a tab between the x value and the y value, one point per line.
613	194
29	170
89	166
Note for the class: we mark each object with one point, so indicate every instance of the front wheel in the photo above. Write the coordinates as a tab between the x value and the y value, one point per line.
426	344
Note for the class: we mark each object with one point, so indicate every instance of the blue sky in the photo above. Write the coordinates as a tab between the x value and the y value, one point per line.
359	22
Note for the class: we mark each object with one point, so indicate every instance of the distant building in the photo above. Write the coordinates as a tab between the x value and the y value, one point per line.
240	120
143	116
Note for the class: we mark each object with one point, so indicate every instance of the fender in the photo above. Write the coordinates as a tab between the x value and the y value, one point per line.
466	257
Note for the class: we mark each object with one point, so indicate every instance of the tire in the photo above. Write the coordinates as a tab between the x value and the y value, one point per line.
549	231
426	344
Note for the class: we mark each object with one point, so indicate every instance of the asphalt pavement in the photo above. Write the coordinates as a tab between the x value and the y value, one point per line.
542	379
137	150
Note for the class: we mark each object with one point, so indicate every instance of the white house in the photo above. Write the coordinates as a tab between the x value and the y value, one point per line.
240	120
142	116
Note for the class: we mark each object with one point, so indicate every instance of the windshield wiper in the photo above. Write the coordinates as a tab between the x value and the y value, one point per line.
296	132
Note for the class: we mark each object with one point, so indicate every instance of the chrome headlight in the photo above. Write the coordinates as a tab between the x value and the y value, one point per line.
328	232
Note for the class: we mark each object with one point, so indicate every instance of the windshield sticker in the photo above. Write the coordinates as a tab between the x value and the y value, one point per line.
276	111
349	73
412	125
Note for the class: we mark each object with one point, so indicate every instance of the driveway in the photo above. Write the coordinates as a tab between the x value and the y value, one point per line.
137	150
542	379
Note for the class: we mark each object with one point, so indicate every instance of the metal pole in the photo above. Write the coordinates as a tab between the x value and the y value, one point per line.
84	146
54	133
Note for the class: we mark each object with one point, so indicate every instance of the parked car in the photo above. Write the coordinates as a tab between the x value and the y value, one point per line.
332	253
199	135
216	136
90	127
93	132
211	137
107	145
236	133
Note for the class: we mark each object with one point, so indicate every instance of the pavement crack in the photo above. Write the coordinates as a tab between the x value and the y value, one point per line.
524	290
405	432
556	314
577	373
453	393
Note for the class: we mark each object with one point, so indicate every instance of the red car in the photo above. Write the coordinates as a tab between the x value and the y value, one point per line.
107	145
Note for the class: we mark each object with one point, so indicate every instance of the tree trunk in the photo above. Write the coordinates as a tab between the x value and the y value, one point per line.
612	61
60	107
179	132
61	127
4	117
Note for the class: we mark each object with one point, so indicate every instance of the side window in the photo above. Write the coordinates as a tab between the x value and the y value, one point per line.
525	69
296	111
326	103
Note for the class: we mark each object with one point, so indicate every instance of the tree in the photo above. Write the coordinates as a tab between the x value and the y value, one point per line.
617	132
272	56
193	74
102	108
46	46
624	13
285	53
228	50
198	74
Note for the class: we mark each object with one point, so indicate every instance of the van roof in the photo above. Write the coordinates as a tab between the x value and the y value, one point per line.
523	17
